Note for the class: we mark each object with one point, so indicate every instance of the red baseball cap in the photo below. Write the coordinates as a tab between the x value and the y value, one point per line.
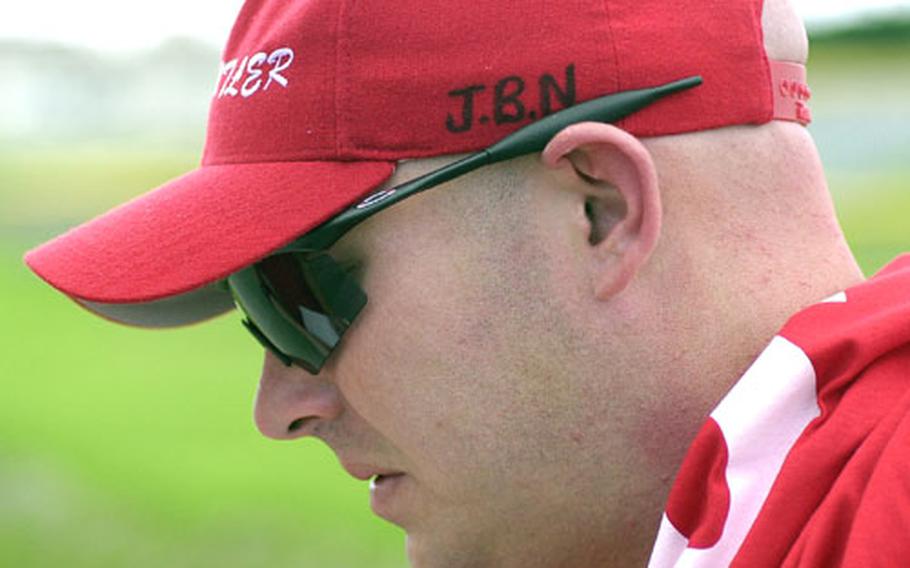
317	101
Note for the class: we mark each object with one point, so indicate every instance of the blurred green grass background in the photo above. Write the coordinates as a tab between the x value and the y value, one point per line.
124	447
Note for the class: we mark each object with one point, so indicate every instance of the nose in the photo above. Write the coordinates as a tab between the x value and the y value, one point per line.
291	403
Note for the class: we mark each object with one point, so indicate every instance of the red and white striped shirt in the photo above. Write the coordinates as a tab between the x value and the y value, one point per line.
806	461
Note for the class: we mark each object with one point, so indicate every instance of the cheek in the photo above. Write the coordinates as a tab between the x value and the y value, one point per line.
444	362
413	361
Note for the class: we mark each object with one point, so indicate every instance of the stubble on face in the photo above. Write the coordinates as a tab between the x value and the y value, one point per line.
465	362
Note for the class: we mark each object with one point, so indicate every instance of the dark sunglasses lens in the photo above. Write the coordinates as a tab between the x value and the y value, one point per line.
293	283
298	305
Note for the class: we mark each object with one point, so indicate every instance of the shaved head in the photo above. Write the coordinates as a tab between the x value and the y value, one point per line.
785	34
565	321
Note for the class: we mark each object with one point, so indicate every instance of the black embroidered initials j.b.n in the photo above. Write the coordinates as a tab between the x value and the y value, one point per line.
511	100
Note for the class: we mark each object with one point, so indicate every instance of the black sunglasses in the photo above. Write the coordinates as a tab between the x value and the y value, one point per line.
299	301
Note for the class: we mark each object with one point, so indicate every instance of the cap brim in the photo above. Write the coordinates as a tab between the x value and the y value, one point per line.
157	260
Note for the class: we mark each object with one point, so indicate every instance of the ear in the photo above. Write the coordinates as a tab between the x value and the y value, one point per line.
621	199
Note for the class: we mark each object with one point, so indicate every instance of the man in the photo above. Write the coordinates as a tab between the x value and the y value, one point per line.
519	357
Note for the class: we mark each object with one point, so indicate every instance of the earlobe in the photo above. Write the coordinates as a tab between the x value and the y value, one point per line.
622	200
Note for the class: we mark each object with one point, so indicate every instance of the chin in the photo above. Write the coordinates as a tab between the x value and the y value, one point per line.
427	551
417	554
423	554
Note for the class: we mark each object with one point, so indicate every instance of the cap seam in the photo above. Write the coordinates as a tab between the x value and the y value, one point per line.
233	159
362	154
263	162
766	61
335	78
617	67
609	18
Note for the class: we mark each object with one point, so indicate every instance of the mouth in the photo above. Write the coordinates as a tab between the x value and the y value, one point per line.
368	472
381	479
385	492
388	488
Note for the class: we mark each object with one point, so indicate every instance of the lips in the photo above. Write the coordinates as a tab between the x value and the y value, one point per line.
389	498
388	489
364	472
381	479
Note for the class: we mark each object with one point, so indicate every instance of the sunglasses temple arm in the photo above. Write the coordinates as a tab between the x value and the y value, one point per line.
530	139
608	109
325	236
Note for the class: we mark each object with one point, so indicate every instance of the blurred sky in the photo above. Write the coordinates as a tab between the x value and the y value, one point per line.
115	25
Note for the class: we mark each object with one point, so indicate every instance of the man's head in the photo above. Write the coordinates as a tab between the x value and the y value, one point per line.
542	336
530	353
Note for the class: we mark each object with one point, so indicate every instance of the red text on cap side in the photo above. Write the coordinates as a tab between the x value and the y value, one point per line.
800	93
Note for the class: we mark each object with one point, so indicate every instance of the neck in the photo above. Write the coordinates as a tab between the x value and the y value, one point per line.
776	248
751	238
739	255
